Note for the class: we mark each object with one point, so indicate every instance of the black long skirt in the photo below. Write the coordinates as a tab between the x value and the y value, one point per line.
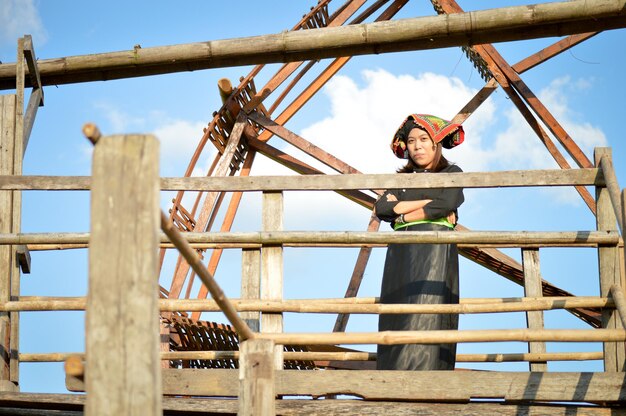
419	274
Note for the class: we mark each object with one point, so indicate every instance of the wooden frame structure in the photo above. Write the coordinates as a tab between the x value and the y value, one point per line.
240	129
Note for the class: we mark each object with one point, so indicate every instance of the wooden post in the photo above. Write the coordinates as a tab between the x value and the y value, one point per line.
272	268
123	374
533	288
7	142
251	284
608	261
256	378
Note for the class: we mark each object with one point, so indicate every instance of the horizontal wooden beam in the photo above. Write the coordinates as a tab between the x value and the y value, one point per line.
459	29
441	386
65	403
503	179
354	238
331	356
449	336
206	305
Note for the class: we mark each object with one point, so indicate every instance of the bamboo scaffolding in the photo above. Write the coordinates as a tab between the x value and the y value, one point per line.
502	179
332	356
450	336
459	29
298	306
352	238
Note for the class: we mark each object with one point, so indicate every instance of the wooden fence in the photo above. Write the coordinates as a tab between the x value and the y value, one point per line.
123	286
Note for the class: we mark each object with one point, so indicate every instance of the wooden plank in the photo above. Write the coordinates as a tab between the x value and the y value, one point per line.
251	284
256	378
441	386
31	112
7	142
609	270
122	328
533	288
347	407
16	210
272	268
460	29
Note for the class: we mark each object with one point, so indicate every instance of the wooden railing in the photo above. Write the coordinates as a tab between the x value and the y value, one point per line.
123	273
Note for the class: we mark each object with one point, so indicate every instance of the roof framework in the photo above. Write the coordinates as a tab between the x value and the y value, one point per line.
247	121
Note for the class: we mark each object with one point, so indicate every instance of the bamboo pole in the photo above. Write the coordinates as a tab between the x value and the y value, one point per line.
331	356
353	238
450	336
321	182
459	29
467	306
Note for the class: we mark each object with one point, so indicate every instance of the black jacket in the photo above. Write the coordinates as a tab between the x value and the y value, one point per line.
444	200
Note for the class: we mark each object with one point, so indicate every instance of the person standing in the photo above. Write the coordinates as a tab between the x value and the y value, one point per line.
421	273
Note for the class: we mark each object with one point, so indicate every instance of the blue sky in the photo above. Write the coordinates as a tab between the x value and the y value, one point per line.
353	117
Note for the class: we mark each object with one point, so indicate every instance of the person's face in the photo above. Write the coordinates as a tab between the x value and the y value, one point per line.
421	148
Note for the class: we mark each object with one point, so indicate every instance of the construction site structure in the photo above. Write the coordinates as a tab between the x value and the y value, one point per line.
170	361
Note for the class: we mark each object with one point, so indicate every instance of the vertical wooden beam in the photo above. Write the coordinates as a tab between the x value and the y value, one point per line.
608	262
257	391
123	375
272	268
7	142
251	284
532	288
18	153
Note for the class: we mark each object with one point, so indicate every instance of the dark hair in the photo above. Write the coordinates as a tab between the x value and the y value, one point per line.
439	162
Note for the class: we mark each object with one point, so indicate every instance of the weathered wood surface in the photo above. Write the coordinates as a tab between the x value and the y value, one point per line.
460	29
257	378
347	407
609	269
503	179
334	356
533	288
7	143
450	336
122	328
272	268
442	386
354	238
466	306
606	164
250	286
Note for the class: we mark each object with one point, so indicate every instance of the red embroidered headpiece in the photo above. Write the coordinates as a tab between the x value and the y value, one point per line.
440	130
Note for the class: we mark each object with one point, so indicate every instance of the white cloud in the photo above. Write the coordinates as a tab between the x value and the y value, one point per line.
19	18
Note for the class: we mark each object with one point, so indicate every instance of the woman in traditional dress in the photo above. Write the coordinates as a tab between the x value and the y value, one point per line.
421	273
